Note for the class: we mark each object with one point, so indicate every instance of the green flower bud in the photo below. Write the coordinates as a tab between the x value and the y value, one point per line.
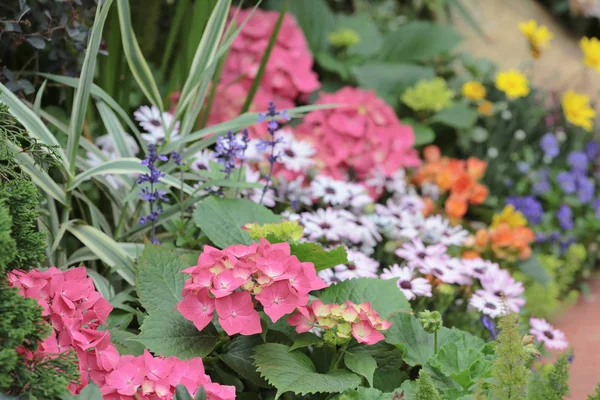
344	37
431	321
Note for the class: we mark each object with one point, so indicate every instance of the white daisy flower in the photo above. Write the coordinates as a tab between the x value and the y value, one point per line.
362	230
358	196
328	224
410	286
487	303
329	190
201	160
107	145
395	183
94	160
359	266
255	194
294	191
150	119
295	155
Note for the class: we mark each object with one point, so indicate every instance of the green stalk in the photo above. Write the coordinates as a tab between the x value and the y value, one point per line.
265	59
182	7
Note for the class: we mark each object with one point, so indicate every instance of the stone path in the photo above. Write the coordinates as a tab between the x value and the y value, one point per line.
560	68
581	325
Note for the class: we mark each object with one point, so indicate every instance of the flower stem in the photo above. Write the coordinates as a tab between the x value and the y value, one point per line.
435	342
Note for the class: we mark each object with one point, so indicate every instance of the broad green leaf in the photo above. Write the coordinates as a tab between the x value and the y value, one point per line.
82	94
41	178
294	371
383	295
222	219
159	280
90	392
419	41
238	357
423	134
363	393
137	63
459	116
115	130
455	361
34	125
361	363
125	346
306	339
533	268
321	258
181	393
170	334
366	29
389	80
118	166
105	248
314	17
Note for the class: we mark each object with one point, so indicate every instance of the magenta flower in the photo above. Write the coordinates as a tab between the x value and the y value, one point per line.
364	332
197	307
126	379
551	338
278	300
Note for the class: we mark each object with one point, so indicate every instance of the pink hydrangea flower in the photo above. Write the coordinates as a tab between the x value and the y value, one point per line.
359	136
551	338
225	280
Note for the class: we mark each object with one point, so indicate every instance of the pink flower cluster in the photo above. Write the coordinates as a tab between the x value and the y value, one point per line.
288	75
75	310
359	320
153	378
361	135
225	280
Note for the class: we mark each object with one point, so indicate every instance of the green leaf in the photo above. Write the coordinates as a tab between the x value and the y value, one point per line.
159	280
82	94
390	79
419	41
118	166
105	248
170	334
423	134
181	393
238	357
90	392
361	363
459	116
120	339
115	130
306	339
222	219
37	104
370	38
533	268
314	17
383	295
321	258
137	63
455	361
41	178
294	371
363	393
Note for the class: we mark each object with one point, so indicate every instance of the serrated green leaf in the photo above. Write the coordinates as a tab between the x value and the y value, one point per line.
419	41
238	357
159	280
222	219
455	361
361	363
306	339
321	258
294	371
362	24
363	393
383	295
170	334
459	116
120	339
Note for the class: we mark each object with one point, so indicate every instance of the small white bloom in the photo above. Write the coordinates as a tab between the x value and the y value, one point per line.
492	152
410	286
359	266
506	115
487	303
296	155
152	120
329	190
201	160
520	134
329	224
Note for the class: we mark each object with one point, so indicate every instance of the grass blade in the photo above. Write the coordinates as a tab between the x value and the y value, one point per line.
182	7
41	178
82	93
37	104
115	130
119	166
264	60
137	63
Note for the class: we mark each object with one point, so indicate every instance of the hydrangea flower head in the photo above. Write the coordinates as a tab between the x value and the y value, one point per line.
360	135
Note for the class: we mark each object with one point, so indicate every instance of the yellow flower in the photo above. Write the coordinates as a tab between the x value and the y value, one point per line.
577	110
473	90
486	108
513	83
538	36
591	52
509	216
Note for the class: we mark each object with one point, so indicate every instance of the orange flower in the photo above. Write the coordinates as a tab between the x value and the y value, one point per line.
470	254
428	207
522	236
476	167
478	194
502	236
431	153
456	207
445	179
482	237
463	186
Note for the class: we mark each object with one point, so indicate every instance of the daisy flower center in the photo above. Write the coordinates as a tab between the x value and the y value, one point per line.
405	285
549	335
